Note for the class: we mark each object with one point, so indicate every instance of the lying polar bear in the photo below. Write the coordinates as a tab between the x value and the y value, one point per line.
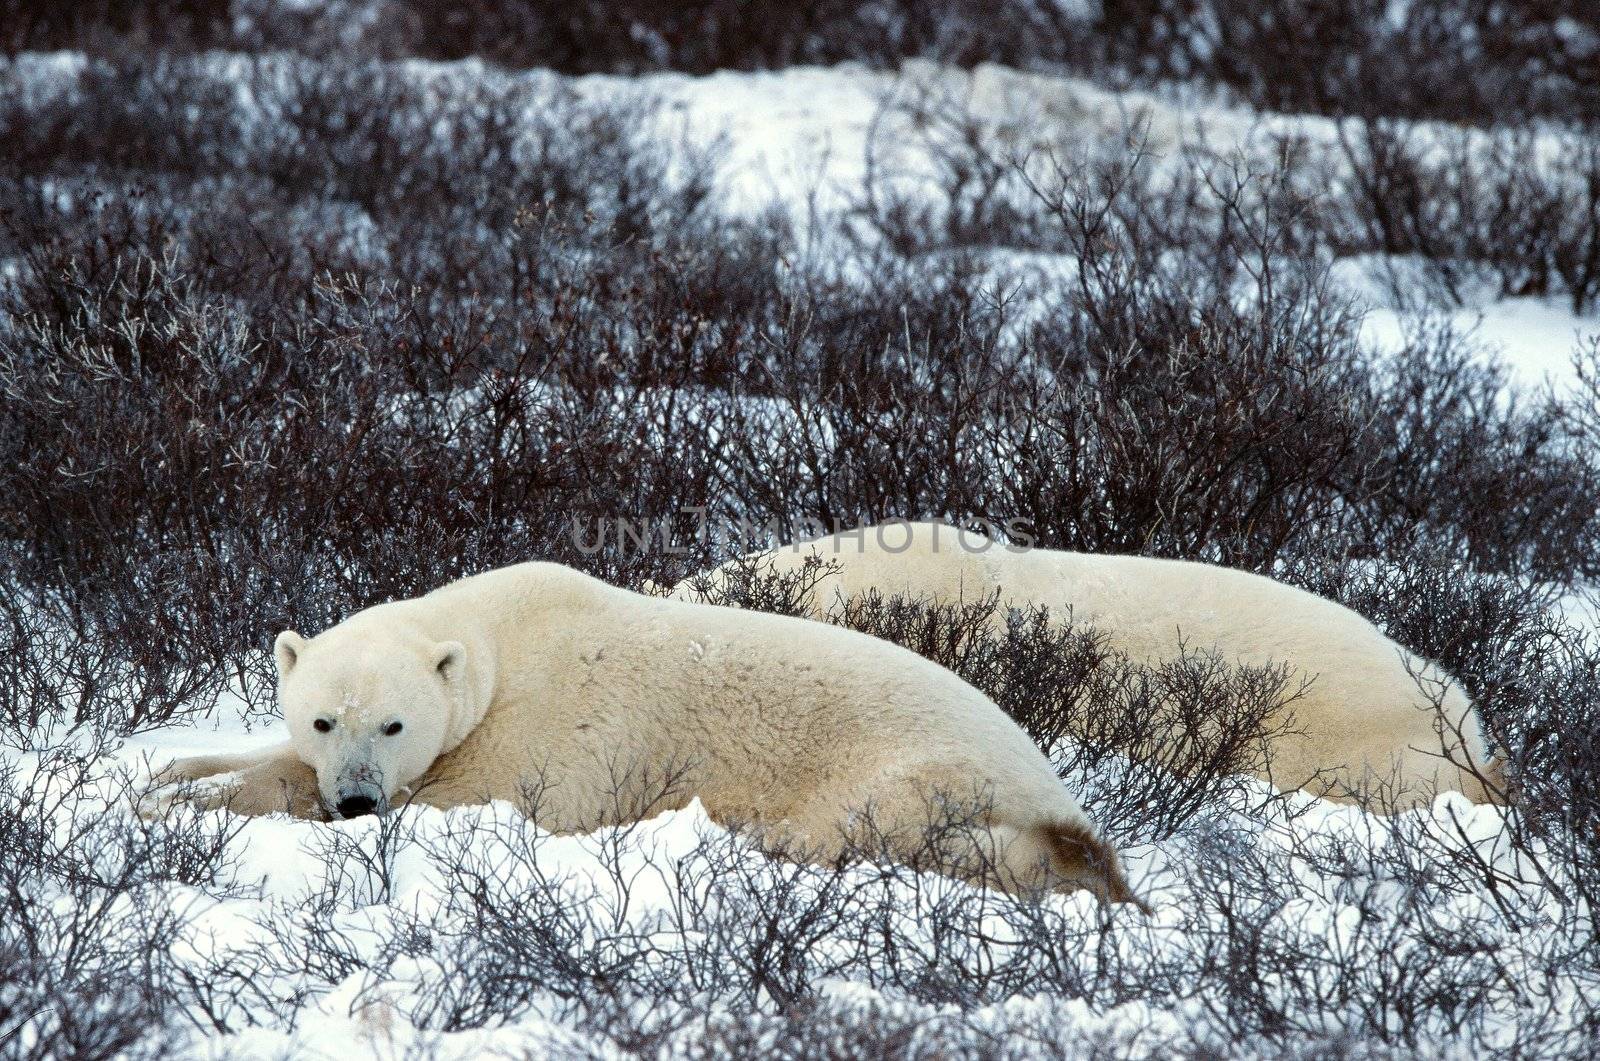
537	675
1365	724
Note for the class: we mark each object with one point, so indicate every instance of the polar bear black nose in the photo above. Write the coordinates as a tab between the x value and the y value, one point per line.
356	806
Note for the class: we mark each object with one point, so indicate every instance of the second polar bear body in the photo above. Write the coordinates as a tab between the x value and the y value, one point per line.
1365	721
602	705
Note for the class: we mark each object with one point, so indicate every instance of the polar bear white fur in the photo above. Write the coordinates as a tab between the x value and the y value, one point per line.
1366	722
613	705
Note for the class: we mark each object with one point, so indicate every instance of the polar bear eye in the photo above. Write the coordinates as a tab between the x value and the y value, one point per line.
392	728
322	725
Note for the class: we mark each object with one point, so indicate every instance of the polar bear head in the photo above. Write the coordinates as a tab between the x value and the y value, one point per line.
370	706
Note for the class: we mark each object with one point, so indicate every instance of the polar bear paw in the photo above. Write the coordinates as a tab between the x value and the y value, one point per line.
207	793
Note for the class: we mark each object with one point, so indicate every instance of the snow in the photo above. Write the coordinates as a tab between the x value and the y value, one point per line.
1535	337
1580	607
371	882
365	886
787	131
804	131
34	78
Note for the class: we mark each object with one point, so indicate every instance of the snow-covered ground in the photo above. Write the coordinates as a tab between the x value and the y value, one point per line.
1535	337
810	138
660	892
805	130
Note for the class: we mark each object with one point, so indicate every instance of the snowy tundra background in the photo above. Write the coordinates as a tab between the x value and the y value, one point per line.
310	304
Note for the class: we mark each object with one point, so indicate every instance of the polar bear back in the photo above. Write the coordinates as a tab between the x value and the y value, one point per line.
1364	716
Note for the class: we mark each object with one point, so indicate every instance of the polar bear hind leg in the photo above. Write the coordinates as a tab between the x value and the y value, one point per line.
996	841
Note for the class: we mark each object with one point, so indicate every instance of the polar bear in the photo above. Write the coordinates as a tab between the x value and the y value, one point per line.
608	706
1365	724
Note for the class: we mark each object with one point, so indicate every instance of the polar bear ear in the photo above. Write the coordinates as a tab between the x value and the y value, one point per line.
449	656
286	650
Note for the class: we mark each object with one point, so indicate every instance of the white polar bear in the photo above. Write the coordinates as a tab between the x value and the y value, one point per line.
1365	724
613	705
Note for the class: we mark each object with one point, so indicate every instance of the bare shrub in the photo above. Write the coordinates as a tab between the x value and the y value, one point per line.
1138	392
746	582
1148	746
114	25
90	920
1520	207
1477	61
697	35
1530	674
69	671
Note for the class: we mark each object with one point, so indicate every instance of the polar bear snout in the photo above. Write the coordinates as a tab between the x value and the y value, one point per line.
359	793
356	806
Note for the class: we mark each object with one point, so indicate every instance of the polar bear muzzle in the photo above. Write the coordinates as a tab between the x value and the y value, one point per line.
356	806
359	802
359	792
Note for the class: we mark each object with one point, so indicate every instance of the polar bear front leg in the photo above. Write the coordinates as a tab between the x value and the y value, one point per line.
270	781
